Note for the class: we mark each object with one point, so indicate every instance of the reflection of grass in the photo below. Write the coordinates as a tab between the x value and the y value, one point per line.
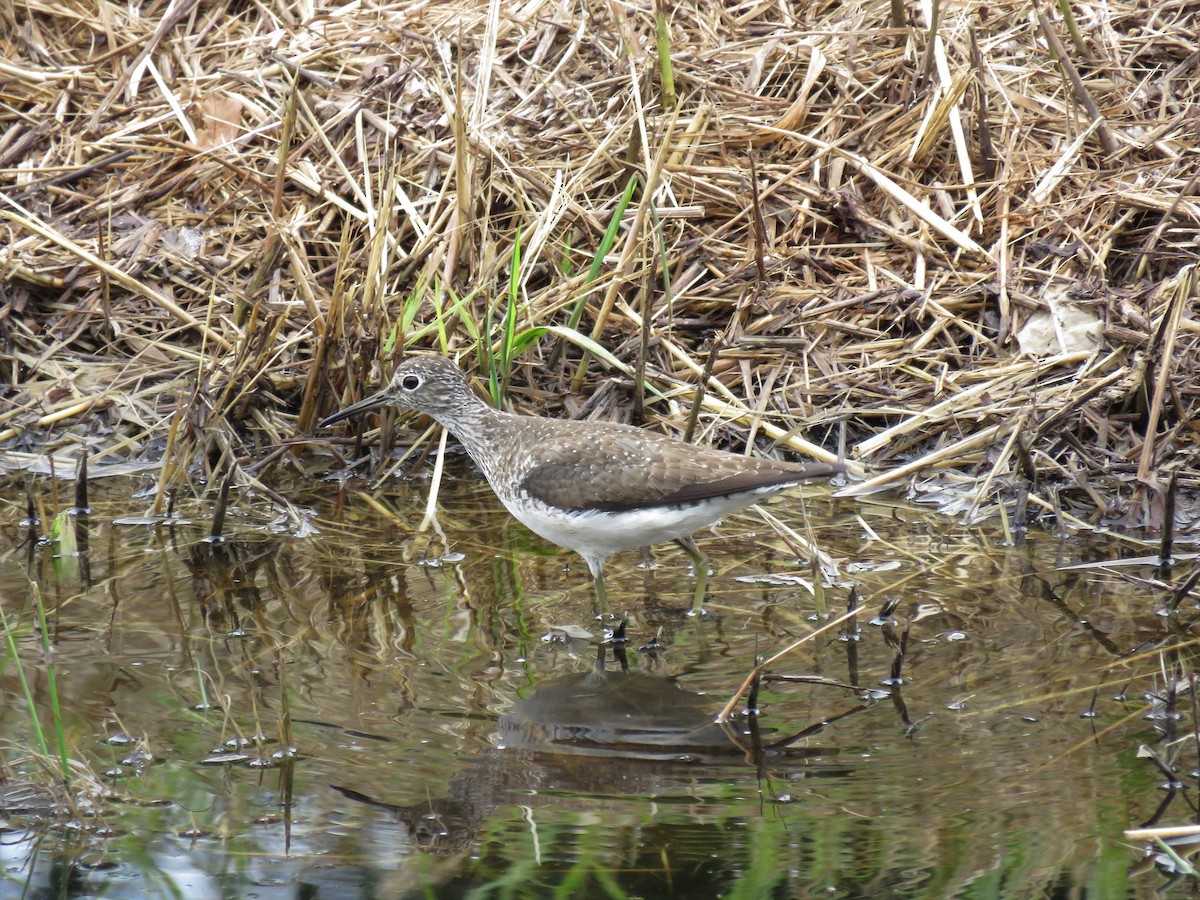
43	747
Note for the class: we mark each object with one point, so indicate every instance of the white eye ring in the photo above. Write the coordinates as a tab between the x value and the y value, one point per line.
410	382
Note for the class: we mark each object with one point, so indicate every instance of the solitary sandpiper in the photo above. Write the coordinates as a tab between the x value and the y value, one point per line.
594	487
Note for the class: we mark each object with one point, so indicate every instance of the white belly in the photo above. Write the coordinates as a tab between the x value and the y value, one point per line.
597	535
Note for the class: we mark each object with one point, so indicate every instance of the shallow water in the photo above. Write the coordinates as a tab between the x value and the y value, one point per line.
369	711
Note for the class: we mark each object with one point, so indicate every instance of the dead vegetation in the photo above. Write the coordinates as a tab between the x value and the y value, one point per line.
960	250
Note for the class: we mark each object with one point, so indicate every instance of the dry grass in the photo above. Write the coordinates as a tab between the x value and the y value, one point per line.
960	245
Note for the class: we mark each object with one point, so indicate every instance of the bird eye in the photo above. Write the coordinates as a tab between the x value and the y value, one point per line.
410	382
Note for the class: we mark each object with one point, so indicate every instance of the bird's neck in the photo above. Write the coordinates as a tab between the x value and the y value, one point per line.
475	424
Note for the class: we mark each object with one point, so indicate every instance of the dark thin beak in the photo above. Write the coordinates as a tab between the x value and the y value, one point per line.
365	405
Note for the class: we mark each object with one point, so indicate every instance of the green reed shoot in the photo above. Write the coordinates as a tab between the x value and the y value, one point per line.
52	682
663	47
499	366
606	243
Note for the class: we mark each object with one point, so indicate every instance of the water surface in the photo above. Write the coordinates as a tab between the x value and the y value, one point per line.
369	710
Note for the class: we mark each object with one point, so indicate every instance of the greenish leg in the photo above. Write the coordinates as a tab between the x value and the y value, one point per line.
700	564
597	571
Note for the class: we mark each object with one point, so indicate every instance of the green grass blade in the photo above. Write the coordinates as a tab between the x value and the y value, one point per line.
10	639
606	243
52	683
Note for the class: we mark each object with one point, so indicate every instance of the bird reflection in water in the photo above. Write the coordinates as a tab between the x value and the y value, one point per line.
603	731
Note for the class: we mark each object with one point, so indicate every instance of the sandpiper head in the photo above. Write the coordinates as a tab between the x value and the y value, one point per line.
429	384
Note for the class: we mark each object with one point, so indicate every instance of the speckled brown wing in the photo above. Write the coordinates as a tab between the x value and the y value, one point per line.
639	469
